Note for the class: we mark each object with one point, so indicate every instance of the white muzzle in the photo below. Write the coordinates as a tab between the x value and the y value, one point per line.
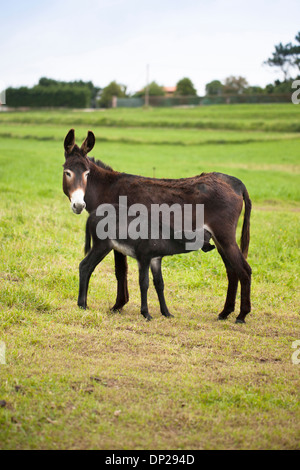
77	201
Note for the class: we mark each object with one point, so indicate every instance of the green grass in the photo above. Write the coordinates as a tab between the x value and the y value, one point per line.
95	380
147	135
267	117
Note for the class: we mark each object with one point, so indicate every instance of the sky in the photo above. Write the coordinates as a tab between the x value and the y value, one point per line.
105	40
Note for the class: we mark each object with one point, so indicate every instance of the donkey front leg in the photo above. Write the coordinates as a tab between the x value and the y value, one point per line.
159	285
86	268
144	285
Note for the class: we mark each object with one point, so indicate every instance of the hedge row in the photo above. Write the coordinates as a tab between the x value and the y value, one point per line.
52	96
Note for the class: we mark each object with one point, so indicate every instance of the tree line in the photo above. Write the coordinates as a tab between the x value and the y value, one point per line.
49	92
80	94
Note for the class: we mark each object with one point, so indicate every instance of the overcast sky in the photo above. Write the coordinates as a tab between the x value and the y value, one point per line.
105	40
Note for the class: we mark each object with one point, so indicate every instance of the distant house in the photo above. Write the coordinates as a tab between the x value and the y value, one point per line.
169	90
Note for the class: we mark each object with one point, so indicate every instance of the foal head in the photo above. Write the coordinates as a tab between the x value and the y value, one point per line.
76	169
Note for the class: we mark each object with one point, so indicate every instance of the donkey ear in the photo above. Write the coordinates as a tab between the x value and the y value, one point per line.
89	143
69	141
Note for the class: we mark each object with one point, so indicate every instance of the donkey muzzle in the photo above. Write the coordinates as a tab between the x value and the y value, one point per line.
77	201
77	207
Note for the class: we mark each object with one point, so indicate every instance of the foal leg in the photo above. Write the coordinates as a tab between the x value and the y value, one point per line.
159	285
121	270
86	268
144	285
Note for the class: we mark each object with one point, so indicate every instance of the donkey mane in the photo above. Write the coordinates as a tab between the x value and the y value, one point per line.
100	164
103	165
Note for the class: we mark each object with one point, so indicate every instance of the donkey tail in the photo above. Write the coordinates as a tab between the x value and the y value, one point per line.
245	238
87	246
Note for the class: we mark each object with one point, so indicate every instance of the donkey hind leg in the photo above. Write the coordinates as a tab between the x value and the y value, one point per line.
121	270
231	290
86	268
245	292
237	267
159	285
144	285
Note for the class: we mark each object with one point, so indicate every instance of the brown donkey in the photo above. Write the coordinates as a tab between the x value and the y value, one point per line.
89	184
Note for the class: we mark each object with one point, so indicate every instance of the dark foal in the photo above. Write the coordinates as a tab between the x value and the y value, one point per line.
89	185
148	253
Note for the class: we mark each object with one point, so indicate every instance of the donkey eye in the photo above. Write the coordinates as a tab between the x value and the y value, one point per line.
86	174
68	174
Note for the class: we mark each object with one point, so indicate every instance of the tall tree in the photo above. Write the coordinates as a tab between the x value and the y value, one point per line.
285	57
234	85
281	58
185	87
295	52
113	89
214	87
153	90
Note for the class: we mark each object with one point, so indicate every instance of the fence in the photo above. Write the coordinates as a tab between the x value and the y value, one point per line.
161	101
165	101
232	99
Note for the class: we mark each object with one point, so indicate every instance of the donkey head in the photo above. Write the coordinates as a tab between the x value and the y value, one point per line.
76	169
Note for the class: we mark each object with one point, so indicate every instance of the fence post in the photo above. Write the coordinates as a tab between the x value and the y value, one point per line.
114	102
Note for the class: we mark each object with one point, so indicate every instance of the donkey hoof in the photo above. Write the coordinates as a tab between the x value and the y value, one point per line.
82	307
168	315
239	320
222	317
147	316
115	309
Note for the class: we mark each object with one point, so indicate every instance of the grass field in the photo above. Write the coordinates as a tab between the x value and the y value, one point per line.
91	379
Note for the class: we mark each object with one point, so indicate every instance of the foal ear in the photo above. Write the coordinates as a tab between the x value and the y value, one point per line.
69	141
89	143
